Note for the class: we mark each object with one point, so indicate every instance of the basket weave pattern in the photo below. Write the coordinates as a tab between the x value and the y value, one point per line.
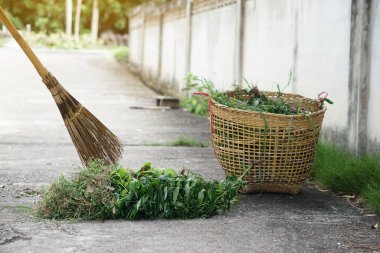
279	148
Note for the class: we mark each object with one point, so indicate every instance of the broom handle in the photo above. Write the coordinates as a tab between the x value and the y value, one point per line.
24	46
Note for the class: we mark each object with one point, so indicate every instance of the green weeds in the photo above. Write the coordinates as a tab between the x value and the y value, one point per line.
195	104
120	53
342	172
246	97
181	141
60	41
184	141
101	192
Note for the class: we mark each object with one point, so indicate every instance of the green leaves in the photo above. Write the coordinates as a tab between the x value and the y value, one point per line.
196	104
201	196
163	193
175	194
247	97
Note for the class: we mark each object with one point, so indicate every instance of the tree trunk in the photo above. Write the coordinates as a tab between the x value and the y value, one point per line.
69	18
77	20
94	21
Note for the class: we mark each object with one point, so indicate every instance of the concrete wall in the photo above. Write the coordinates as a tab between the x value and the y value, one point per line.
329	45
374	90
151	50
173	53
135	41
212	46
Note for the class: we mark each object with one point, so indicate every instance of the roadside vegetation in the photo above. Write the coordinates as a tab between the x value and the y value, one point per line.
120	53
59	41
49	16
182	141
346	174
194	104
70	24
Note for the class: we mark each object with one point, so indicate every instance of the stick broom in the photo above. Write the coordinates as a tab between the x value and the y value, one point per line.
91	138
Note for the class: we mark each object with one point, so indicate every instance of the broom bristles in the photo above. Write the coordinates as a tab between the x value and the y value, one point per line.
91	138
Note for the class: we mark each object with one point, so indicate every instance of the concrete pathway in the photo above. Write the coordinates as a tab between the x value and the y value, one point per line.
35	149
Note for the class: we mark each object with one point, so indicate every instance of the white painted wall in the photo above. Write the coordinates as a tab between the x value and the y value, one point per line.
135	43
173	54
213	44
151	51
311	38
268	42
323	55
374	91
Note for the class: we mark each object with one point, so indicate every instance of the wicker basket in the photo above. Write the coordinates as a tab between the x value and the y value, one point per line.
279	149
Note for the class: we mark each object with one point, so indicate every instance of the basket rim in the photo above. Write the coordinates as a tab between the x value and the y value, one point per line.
320	111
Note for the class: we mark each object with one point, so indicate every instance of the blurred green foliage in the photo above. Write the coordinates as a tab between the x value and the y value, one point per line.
48	16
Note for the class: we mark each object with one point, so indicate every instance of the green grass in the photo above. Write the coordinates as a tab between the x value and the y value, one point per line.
181	141
60	41
120	53
342	172
87	194
184	141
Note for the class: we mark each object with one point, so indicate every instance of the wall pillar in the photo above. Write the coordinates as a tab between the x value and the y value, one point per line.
359	73
143	14
189	7
160	45
239	45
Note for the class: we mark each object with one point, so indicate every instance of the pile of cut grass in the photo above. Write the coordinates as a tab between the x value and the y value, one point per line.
344	173
113	192
88	194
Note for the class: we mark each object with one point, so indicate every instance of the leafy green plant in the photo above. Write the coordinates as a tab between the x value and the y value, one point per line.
120	53
194	104
339	171
154	193
101	192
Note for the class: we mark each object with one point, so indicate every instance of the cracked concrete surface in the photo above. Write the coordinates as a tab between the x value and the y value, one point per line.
35	149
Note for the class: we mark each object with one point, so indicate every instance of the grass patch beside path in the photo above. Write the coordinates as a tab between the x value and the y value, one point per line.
345	173
182	141
120	53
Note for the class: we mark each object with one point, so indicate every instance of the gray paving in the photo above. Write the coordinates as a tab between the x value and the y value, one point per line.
35	149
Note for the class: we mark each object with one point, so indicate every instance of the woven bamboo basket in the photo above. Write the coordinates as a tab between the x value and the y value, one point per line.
278	149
